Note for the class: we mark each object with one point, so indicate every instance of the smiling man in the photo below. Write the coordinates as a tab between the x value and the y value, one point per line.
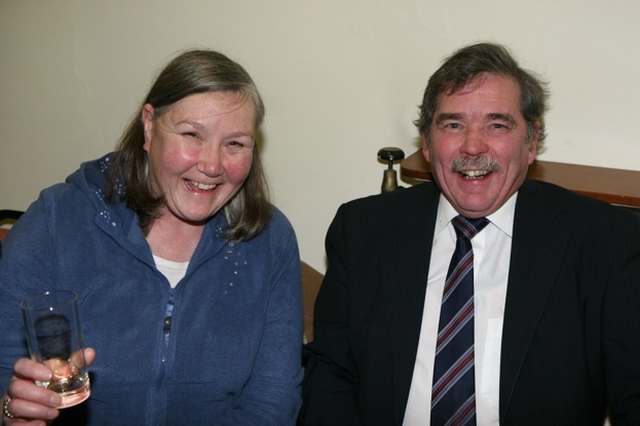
478	143
483	297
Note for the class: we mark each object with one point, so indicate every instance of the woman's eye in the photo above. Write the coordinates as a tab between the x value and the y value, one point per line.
236	145
191	134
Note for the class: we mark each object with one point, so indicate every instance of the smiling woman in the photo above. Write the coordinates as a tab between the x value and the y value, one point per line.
192	73
200	153
188	278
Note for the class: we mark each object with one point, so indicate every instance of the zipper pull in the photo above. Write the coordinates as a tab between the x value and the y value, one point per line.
168	311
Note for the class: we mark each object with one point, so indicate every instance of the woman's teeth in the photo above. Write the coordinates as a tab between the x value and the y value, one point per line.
202	186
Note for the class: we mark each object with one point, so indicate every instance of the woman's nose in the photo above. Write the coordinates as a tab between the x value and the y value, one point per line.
210	162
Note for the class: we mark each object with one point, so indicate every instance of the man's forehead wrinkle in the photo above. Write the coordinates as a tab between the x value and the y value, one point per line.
462	87
489	116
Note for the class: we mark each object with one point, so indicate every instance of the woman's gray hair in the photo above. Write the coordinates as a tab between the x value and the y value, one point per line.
191	72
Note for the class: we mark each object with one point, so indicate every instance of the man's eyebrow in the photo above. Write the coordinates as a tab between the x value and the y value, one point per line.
448	116
503	117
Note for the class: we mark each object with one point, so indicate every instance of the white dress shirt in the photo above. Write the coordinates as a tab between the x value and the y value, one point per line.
492	251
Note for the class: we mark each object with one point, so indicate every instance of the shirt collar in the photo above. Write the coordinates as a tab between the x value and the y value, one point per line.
501	218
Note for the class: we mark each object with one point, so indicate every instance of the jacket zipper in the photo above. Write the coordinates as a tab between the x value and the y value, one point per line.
166	327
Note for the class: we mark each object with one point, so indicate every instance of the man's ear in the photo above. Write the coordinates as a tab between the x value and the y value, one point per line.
533	143
425	147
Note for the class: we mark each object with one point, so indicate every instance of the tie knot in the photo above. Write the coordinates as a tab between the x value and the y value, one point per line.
466	227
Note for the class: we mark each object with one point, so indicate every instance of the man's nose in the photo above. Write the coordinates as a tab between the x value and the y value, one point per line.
475	142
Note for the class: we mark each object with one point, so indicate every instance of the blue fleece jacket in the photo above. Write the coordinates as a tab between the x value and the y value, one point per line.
232	353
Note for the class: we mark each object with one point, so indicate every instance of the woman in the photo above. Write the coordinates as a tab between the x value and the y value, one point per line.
188	279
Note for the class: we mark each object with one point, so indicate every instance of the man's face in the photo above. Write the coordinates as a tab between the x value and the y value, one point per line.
477	145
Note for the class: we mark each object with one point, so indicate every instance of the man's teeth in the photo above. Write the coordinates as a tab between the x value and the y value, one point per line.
472	174
203	186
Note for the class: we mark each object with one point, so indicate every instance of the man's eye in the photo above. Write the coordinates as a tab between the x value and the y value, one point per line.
452	125
498	126
191	134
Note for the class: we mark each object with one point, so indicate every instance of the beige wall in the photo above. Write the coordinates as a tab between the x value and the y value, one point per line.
340	78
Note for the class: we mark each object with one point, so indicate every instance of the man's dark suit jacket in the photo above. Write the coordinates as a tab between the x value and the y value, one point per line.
571	333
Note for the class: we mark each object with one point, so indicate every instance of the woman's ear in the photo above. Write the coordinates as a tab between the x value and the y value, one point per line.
147	123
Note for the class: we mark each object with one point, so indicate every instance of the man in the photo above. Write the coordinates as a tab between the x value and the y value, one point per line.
554	307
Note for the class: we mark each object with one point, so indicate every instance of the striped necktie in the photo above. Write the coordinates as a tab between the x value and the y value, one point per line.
453	394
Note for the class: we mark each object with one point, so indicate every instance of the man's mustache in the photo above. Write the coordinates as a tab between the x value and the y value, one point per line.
482	162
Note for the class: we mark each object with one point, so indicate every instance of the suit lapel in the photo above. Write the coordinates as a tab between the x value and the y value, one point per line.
536	251
405	253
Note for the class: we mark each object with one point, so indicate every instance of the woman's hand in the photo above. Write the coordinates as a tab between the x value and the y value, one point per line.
26	403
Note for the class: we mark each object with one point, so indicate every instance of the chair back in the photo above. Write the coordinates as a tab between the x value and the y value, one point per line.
7	219
311	281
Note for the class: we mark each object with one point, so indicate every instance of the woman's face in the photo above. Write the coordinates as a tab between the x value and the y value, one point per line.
200	152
